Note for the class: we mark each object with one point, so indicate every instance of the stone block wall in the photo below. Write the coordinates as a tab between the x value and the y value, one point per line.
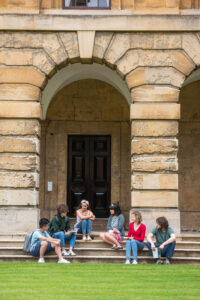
154	67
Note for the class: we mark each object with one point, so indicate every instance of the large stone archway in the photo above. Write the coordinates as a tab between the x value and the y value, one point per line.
85	107
152	65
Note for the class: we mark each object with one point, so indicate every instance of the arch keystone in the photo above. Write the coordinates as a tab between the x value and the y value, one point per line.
86	44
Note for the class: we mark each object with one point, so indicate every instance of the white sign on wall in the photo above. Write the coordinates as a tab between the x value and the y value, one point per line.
50	186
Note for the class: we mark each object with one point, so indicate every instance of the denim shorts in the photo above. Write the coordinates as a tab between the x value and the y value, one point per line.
36	249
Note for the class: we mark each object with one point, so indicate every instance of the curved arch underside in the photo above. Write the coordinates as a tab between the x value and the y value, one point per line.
78	71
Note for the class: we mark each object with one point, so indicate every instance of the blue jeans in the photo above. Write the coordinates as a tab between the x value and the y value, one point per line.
63	238
168	250
84	227
135	246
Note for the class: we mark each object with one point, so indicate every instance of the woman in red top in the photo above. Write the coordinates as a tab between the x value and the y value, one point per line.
135	237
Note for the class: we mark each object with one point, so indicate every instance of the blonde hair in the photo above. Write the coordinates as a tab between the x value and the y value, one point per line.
86	202
138	216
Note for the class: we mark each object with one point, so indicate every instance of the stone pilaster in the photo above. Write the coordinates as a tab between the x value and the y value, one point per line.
19	157
154	146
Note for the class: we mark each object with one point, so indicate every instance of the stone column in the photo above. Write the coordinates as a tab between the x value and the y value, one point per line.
154	153
19	156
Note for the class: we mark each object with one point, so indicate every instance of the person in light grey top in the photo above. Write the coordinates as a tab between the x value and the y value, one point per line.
115	228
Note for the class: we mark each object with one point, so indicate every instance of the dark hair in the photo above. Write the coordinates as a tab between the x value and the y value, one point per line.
43	222
62	208
162	221
116	208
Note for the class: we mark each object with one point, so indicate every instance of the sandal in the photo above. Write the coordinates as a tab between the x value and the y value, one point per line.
114	247
119	248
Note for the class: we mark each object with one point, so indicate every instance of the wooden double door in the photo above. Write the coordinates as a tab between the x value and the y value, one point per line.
89	173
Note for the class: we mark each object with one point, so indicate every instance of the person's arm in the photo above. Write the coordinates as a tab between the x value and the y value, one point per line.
92	216
120	223
169	241
149	239
109	223
55	225
142	235
49	239
81	216
67	227
129	231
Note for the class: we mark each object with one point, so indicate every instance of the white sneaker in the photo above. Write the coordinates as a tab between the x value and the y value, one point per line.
134	262
63	261
71	253
89	238
84	238
127	262
41	260
64	253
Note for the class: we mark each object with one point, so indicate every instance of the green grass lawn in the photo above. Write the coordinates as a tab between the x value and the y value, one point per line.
24	281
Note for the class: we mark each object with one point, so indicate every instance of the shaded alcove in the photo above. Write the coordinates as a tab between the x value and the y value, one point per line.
189	157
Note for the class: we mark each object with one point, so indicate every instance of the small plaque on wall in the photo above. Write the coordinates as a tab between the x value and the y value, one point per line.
50	186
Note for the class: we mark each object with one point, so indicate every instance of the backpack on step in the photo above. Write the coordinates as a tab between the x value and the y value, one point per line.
27	241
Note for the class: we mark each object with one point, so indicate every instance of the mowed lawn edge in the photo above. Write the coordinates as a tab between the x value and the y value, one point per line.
24	281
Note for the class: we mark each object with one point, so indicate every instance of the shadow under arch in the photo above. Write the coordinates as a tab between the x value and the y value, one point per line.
78	71
189	153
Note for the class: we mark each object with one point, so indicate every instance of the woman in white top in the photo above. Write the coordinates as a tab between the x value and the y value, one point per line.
84	218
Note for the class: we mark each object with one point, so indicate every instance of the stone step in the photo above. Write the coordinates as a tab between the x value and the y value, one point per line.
193	237
102	251
21	236
98	224
190	236
98	259
98	244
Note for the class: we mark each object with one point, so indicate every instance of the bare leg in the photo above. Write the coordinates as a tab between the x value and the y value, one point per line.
58	252
105	238
110	237
102	236
43	248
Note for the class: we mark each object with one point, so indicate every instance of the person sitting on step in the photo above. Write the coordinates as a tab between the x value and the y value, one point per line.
84	220
115	228
59	228
42	243
165	240
136	234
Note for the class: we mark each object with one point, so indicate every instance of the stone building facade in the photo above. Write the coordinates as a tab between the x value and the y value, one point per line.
130	73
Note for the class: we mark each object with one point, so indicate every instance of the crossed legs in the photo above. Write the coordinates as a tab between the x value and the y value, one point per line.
109	238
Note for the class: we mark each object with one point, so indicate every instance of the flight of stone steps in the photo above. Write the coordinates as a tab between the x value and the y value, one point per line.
95	251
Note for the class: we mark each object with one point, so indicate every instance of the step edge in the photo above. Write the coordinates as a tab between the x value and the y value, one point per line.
98	257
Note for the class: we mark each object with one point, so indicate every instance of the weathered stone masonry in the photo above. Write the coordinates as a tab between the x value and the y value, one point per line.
154	66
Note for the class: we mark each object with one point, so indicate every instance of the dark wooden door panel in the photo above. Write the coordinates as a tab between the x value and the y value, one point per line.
89	172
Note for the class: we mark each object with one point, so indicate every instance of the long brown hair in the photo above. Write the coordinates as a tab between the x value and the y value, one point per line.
138	216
